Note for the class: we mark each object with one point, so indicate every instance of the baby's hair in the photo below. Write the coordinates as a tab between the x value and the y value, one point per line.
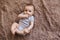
30	5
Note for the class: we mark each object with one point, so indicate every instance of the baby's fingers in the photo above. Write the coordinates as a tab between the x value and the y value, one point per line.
26	31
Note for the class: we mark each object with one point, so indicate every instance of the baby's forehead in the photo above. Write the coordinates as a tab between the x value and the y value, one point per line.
29	7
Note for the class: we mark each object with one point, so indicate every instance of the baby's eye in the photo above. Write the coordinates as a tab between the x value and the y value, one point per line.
29	10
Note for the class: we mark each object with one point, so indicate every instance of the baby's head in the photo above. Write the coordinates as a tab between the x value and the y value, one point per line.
29	9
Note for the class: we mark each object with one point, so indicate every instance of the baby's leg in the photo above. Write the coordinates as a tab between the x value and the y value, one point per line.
20	32
13	28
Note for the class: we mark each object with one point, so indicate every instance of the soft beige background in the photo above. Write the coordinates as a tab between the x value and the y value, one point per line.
47	19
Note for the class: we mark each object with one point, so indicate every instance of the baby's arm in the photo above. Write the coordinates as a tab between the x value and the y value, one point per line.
23	15
31	25
27	30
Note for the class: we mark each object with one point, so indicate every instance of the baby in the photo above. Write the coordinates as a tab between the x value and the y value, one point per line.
25	22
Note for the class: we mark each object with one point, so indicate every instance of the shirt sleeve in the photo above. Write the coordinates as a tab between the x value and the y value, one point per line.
31	18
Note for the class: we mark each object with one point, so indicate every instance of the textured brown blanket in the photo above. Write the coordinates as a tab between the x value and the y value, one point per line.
47	19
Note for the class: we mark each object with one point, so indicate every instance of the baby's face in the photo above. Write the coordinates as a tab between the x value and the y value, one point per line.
29	10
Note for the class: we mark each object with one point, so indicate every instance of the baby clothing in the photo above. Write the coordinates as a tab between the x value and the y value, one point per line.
24	23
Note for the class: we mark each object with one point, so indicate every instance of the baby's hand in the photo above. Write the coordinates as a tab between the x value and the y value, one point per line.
26	15
26	30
